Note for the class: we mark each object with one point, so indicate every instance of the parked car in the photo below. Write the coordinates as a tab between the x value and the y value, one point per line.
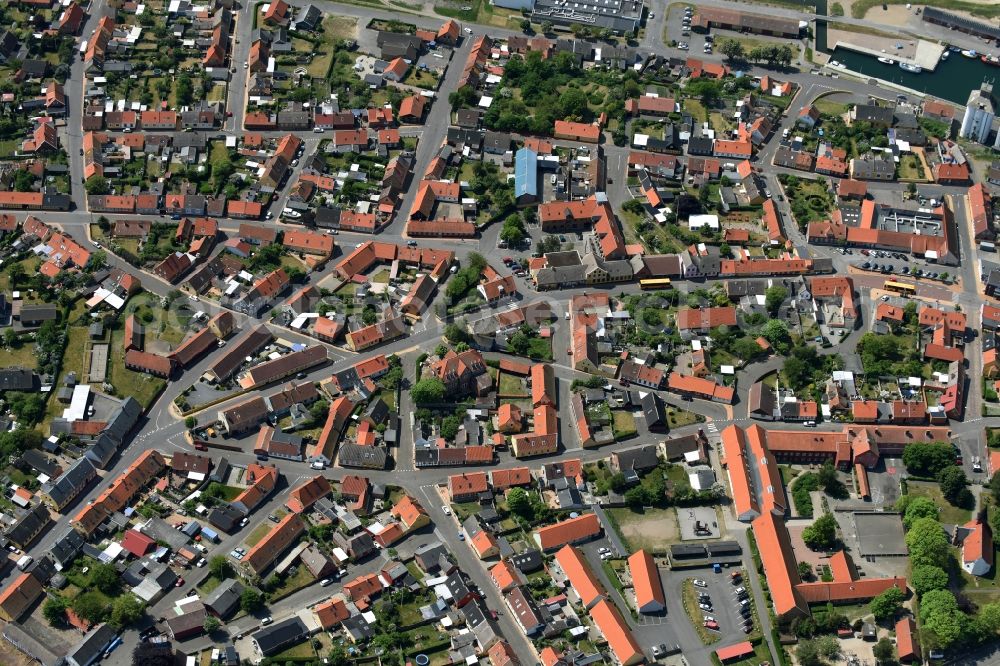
698	582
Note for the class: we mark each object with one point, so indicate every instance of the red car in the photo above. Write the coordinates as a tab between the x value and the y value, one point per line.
712	625
180	581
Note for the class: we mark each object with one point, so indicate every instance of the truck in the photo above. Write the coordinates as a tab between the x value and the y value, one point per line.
24	562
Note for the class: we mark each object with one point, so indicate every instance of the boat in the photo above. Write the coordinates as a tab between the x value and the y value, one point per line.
991	60
954	48
887	61
970	53
907	67
945	54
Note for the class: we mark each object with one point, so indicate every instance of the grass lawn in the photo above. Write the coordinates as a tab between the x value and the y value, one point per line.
859	8
294	583
910	168
414	570
21	356
140	386
409	614
681	417
342	27
421	79
652	529
229	493
303	651
511	385
810	201
623	424
9	147
209	584
540	348
258	533
696	109
465	509
690	599
829	107
947	514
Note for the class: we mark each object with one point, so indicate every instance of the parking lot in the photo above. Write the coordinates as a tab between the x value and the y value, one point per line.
724	601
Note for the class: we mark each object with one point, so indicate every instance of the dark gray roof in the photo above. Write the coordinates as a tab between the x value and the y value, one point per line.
72	481
31	523
101	452
66	547
16	379
280	635
368	457
91	646
528	561
224	599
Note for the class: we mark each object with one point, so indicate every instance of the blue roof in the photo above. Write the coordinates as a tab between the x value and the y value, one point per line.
525	173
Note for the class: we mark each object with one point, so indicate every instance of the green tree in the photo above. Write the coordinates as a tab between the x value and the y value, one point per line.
928	458
955	486
807	653
97	185
883	651
251	600
940	614
90	606
191	422
455	334
822	533
16	273
512	232
885	605
917	508
10	339
28	407
104	577
927	577
428	391
126	610
450	425
519	503
732	49
54	610
707	90
525	26
211	624
219	567
928	543
774	297
24	181
805	570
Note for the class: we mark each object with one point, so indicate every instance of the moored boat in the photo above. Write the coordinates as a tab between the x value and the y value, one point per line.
991	60
970	53
907	67
887	61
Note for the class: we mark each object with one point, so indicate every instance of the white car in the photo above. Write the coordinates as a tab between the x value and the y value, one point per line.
266	620
325	582
446	509
708	618
698	582
607	556
705	607
603	550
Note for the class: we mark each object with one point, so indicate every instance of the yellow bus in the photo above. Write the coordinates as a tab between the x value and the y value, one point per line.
650	284
900	288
